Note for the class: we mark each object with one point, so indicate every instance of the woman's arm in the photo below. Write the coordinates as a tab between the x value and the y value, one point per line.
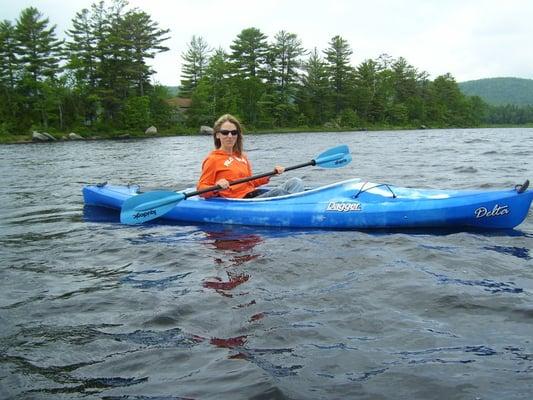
208	177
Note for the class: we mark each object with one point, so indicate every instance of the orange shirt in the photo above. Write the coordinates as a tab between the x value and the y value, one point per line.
219	164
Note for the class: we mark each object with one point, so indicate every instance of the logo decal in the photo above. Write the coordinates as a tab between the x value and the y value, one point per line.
497	211
343	206
144	214
228	162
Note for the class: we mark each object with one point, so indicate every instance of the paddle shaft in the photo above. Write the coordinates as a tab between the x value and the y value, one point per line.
247	179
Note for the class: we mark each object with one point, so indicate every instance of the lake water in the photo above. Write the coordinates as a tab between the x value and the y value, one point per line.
91	309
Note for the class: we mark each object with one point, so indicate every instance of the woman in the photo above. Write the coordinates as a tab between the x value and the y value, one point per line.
228	163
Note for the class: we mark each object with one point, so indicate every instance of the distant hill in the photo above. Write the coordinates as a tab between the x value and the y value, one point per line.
173	90
500	91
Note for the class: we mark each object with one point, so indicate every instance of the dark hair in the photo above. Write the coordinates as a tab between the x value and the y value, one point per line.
237	148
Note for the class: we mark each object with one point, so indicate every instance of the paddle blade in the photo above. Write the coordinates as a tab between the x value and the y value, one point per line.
335	157
148	206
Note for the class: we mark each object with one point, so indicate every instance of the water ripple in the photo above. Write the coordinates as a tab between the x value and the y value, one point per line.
90	308
487	284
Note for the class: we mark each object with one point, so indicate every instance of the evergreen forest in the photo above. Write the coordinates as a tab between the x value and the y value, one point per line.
98	81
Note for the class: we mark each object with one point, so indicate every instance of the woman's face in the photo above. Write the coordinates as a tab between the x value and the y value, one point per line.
227	135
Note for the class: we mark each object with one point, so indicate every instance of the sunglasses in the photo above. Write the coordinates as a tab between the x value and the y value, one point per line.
226	132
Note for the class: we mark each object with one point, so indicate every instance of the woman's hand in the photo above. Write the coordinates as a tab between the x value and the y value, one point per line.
279	169
223	184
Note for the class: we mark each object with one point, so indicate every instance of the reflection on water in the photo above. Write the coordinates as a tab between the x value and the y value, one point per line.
100	214
229	241
227	238
221	286
233	250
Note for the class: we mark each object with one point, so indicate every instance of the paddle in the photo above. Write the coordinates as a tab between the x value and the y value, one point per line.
150	205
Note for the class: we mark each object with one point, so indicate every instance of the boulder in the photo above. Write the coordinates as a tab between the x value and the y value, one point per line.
331	125
42	137
206	130
49	136
151	130
74	136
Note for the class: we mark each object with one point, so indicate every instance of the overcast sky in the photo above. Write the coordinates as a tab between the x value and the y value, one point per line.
471	39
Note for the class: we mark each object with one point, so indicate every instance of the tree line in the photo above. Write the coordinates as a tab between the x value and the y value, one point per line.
98	80
280	84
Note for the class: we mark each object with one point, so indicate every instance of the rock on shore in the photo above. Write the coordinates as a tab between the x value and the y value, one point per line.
151	130
75	136
206	130
42	137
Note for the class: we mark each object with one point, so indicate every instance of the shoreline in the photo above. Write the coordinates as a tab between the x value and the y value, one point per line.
27	138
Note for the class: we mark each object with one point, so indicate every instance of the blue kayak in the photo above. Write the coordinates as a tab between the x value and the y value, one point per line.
351	204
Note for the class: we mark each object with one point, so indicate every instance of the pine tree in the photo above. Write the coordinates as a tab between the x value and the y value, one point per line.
315	94
341	72
8	50
82	48
8	77
287	50
195	61
367	87
39	51
142	40
83	61
285	61
249	52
